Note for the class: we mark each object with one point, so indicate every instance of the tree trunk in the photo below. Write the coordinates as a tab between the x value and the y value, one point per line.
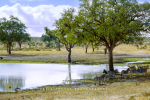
92	47
86	47
20	45
111	67
9	48
69	54
59	46
105	50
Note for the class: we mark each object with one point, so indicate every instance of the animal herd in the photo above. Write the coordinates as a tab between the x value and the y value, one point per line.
111	74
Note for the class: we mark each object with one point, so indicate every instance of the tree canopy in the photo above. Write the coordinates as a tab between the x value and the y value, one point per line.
114	22
12	30
110	23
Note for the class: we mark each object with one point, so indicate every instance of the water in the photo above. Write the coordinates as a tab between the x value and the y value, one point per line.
26	76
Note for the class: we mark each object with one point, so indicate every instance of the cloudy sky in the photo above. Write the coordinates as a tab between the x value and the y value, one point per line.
37	14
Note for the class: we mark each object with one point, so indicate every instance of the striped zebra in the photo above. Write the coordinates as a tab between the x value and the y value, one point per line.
110	73
124	72
106	77
136	71
100	79
142	70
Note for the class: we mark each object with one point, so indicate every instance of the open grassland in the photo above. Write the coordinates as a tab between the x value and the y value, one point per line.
121	89
78	54
121	49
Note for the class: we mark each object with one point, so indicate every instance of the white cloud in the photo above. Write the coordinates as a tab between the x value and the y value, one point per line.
15	1
35	18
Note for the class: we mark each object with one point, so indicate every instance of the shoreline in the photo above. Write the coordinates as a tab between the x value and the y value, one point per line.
132	87
94	59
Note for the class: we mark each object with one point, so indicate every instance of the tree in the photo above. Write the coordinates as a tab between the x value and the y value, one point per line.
9	29
114	22
66	29
45	38
50	36
22	37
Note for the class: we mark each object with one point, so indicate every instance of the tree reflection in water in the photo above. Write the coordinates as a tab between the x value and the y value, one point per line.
8	84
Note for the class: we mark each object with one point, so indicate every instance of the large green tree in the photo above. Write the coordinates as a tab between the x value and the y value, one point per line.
10	29
114	22
66	29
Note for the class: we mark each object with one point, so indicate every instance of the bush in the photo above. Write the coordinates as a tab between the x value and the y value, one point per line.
38	50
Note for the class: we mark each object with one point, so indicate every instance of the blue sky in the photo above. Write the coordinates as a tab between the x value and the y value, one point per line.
37	14
33	3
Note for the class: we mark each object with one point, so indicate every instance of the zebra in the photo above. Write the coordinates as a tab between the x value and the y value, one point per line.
98	78
124	72
142	70
134	71
110	73
106	76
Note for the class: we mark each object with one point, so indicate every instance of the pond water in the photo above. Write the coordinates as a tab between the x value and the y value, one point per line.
26	76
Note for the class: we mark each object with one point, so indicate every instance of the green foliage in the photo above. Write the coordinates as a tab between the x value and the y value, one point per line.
114	22
22	37
45	38
48	37
12	30
9	29
66	27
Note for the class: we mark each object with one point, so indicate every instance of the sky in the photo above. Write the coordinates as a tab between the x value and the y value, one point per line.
37	14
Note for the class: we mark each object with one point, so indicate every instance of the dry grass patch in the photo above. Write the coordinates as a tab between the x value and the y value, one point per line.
121	49
129	49
115	91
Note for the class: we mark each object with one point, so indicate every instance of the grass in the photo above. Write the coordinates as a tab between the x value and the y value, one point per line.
121	49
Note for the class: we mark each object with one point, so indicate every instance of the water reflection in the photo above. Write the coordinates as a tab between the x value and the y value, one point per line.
33	75
69	71
8	84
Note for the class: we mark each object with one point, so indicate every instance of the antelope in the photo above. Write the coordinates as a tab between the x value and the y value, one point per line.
132	67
